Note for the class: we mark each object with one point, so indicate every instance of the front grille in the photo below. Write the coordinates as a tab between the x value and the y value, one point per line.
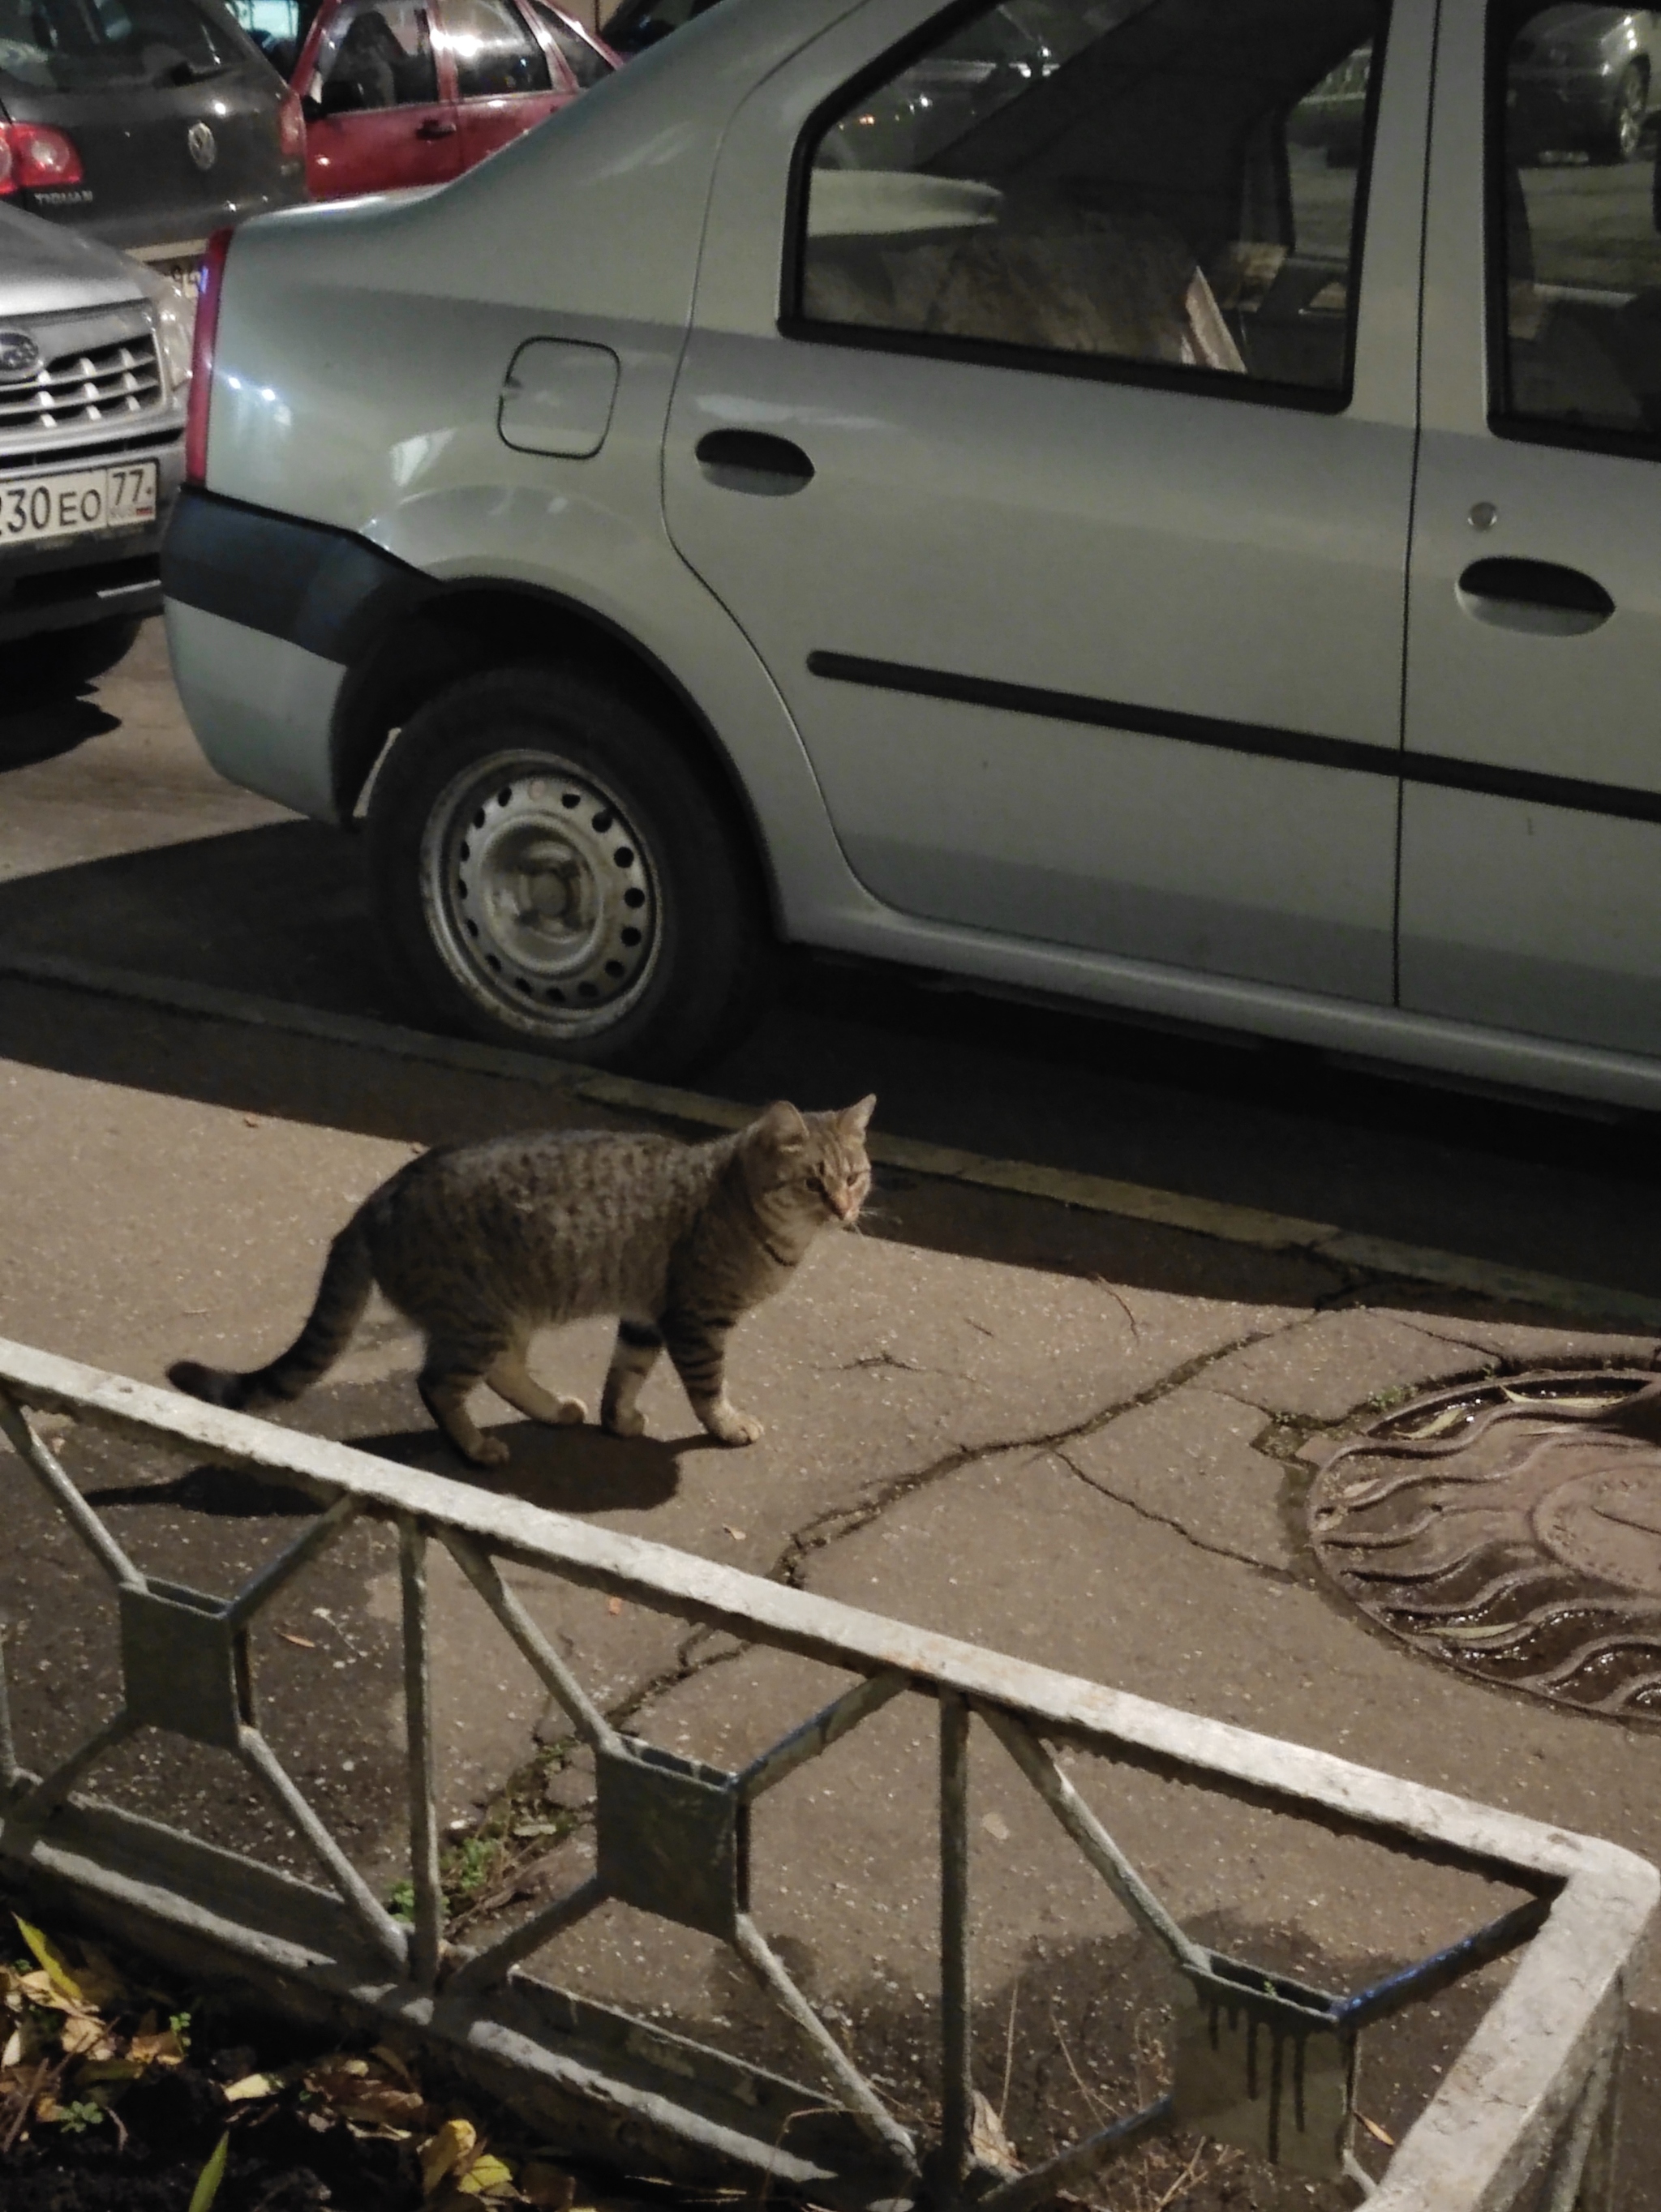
98	383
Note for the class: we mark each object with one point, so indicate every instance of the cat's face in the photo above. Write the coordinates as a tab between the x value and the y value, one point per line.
816	1163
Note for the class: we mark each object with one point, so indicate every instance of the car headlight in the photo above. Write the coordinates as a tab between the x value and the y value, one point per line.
174	311
175	328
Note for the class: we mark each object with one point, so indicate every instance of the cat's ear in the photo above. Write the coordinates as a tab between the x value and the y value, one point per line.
854	1121
781	1127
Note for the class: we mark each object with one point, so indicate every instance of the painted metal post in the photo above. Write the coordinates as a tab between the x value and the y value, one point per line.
424	1878
956	2083
7	1742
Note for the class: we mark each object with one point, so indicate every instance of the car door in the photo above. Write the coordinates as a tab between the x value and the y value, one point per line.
1531	815
505	79
378	113
1067	502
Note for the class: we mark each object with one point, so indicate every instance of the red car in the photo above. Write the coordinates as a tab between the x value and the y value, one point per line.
413	91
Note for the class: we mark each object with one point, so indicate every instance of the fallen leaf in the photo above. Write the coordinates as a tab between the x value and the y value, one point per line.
250	1121
488	2175
1378	2134
107	2070
13	2053
441	2153
390	2059
39	1989
57	1970
208	2181
549	2187
995	1826
987	2139
614	1605
738	1535
251	2085
162	2049
81	2036
100	1984
304	1642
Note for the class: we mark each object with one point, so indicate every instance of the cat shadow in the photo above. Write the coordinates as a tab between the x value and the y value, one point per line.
223	1492
576	1470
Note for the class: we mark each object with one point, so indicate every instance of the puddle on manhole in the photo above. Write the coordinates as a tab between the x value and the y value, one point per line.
1511	1530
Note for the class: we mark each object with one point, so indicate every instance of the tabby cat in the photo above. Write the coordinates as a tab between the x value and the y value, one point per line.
481	1245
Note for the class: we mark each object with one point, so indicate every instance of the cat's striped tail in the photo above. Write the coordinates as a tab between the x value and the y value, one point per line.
348	1280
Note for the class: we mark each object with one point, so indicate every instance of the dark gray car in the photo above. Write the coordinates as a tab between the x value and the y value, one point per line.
94	369
147	123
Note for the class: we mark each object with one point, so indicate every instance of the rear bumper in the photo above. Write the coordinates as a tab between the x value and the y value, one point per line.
266	618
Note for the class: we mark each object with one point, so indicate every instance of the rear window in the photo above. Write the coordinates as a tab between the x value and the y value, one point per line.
98	46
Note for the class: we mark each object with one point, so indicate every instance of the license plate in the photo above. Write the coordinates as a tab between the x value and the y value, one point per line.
79	500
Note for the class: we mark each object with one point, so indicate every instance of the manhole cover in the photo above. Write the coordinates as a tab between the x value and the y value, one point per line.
1511	1529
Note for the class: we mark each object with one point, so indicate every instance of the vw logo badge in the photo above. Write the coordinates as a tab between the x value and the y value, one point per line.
19	354
200	141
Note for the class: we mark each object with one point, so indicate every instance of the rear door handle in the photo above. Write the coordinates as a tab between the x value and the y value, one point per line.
754	461
434	127
1537	596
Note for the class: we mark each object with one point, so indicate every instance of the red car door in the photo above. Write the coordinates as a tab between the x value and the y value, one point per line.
506	79
378	112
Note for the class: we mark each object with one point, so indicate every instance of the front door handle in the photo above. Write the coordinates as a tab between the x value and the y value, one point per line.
1537	596
754	460
435	127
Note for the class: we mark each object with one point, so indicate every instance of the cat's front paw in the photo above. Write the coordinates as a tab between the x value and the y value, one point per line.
729	1426
490	1451
621	1424
572	1413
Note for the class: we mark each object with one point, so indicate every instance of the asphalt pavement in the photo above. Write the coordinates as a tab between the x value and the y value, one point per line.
1081	1438
124	848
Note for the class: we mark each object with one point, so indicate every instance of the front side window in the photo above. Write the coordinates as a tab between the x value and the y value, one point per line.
379	55
587	64
495	53
1574	248
1152	185
108	45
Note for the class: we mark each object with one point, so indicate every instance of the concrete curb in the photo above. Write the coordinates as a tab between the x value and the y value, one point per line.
1091	1193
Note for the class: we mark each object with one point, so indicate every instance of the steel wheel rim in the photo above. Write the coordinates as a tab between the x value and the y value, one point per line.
1630	122
539	896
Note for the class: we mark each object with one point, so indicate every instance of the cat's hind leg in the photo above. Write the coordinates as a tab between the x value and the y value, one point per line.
453	1368
633	1357
511	1379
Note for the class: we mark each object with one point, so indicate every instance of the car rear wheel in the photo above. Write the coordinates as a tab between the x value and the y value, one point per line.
1623	135
550	870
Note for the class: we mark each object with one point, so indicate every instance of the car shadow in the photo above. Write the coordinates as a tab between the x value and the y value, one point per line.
42	717
282	913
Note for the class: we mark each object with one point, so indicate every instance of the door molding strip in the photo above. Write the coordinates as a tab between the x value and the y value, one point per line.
1439	769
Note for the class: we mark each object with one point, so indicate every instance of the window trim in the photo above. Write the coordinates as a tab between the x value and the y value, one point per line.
1100	368
1502	420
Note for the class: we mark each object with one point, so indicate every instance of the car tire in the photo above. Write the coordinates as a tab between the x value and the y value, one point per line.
1620	136
550	870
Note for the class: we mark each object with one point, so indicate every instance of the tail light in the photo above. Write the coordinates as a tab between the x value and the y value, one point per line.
33	158
291	128
201	349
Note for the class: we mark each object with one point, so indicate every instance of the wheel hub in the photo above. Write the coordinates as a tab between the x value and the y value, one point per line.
539	896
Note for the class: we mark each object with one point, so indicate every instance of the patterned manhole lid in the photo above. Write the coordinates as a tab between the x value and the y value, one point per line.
1511	1529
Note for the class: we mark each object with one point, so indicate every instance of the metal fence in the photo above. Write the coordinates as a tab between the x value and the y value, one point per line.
1528	2107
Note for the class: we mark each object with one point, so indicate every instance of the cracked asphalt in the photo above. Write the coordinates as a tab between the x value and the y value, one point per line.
1083	1440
